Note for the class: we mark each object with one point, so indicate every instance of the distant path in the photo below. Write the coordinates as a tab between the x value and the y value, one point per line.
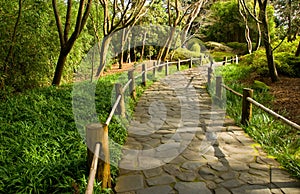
179	142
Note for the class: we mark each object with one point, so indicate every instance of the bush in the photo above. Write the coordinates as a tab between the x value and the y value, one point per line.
196	48
182	53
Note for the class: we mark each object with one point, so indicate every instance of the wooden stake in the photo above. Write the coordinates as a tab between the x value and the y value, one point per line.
224	60
154	69
178	65
218	87
121	106
144	76
209	76
246	106
106	179
167	68
191	63
94	134
132	84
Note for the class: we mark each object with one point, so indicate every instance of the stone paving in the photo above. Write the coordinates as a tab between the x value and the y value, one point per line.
180	142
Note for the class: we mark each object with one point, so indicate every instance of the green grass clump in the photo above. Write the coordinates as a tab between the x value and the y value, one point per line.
41	150
275	137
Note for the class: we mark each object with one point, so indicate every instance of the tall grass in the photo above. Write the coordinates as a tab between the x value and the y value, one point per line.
278	139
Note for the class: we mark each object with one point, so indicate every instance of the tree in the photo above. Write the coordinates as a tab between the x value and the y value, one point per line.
178	12
27	44
266	39
67	41
119	17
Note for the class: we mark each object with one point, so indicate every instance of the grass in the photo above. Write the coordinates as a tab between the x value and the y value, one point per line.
277	139
41	148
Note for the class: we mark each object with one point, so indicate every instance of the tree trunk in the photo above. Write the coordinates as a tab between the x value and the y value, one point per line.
103	53
9	57
59	68
298	50
143	46
121	55
266	39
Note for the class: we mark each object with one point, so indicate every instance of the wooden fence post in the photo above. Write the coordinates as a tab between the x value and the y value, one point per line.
178	65
154	69
106	179
209	76
201	60
121	106
246	106
218	87
94	134
167	68
236	59
224	60
144	75
191	63
132	84
231	59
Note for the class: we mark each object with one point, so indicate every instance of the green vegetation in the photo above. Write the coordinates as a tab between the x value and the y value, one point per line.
276	138
41	148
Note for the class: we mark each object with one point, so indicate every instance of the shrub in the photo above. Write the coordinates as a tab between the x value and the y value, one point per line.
196	48
182	53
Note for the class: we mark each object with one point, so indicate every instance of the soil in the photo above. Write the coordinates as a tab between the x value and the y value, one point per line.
286	92
287	95
115	68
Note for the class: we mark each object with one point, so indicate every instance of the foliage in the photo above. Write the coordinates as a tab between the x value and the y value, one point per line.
276	138
238	48
286	63
224	24
182	53
39	137
36	47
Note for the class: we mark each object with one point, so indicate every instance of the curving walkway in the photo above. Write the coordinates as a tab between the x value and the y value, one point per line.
180	142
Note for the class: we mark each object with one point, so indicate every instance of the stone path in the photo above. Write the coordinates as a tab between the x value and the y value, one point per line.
180	142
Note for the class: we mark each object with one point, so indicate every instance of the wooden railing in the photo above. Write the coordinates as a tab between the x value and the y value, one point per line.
247	99
97	134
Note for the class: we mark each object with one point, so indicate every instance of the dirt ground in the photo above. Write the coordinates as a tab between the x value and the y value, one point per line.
287	97
286	92
115	68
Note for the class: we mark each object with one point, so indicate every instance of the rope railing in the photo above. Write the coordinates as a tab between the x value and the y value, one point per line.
93	170
274	114
231	90
247	102
126	85
113	110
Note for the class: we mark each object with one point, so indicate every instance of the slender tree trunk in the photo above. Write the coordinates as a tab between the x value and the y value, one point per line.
298	50
121	56
9	57
59	68
103	54
143	46
266	39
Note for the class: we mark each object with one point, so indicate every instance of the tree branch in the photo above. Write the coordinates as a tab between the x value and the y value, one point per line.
68	21
58	23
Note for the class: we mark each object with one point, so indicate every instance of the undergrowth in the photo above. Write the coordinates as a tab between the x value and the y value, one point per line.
276	138
41	148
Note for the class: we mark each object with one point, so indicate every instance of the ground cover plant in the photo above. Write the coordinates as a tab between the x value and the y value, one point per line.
278	139
41	150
